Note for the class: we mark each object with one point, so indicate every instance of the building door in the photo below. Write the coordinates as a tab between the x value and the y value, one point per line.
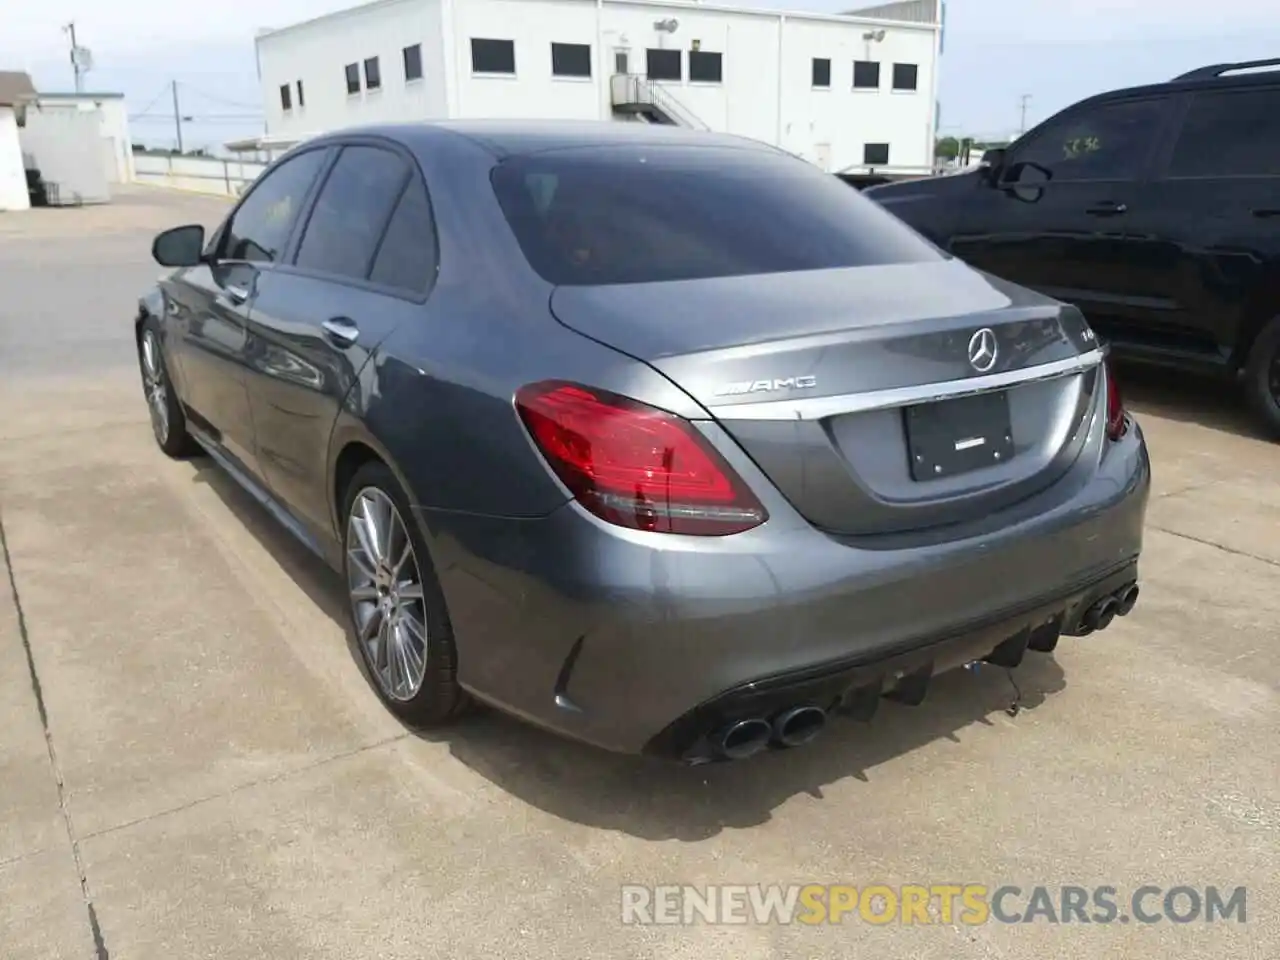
621	58
822	156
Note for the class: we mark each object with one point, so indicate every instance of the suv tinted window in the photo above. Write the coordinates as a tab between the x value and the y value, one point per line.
260	228
351	211
1230	133
1107	142
635	215
407	256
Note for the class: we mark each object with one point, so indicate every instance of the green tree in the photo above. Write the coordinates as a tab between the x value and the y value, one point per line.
947	148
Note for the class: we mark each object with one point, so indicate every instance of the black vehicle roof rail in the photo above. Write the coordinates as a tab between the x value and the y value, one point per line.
1218	69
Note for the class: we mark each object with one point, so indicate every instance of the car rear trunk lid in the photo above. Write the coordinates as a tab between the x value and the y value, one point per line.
877	399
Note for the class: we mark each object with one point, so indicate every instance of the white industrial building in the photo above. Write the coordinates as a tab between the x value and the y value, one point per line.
62	148
110	118
851	93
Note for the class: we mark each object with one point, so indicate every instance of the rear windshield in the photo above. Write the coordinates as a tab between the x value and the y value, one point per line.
646	214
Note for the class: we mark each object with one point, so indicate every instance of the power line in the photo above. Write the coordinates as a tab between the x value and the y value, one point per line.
201	118
154	100
218	99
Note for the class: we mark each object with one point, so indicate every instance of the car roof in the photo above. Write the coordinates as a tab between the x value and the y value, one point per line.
1215	77
507	138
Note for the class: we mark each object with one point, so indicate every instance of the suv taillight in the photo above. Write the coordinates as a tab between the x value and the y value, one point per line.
635	465
1117	419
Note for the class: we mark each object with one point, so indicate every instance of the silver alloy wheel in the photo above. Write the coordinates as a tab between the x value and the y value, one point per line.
153	383
386	594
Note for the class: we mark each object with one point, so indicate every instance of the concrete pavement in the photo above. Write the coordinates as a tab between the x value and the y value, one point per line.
192	765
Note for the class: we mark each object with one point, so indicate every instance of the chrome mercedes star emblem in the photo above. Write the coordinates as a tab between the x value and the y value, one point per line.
983	350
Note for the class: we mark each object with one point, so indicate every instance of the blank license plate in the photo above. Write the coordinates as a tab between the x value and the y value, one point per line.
951	437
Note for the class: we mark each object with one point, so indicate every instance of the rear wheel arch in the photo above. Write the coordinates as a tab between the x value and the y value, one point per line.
1262	307
1260	368
351	449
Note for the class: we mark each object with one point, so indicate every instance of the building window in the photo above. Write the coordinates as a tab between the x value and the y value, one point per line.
866	75
301	100
570	60
821	72
663	65
905	76
875	154
493	56
286	101
372	74
353	78
704	67
412	62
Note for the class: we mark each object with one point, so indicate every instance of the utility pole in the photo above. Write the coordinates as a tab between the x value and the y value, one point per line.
1022	106
75	56
177	115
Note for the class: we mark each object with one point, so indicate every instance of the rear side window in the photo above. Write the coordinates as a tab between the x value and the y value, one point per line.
1230	134
407	256
639	215
349	215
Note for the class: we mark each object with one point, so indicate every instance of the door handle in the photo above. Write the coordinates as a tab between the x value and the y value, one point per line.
1107	208
236	295
341	331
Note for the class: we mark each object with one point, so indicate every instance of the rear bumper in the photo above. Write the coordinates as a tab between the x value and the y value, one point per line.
641	642
856	685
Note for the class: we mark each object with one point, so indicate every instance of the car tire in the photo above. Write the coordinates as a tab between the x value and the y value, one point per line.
398	615
168	420
1262	377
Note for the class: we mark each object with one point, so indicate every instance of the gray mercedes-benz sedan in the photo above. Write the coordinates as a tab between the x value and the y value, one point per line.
666	441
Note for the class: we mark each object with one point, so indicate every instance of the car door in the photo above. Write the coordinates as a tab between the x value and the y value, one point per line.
209	306
363	265
1209	225
1054	217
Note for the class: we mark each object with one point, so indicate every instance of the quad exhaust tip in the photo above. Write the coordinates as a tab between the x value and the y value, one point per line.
799	725
1100	615
1104	611
791	728
1125	600
744	739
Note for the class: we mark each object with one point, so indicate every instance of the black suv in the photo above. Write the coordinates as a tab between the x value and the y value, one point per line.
1156	210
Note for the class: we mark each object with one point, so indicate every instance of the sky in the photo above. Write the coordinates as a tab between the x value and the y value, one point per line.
1054	51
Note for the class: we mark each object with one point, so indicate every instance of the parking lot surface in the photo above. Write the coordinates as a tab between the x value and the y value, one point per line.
192	765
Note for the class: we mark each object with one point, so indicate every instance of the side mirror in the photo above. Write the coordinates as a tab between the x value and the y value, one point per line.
1025	180
179	246
992	164
1017	173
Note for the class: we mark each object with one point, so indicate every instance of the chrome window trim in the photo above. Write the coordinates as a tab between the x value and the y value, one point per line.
819	408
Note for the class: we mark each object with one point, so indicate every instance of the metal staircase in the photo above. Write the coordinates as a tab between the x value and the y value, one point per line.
639	98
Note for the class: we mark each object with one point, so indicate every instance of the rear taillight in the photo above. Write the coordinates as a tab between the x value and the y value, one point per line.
1117	419
635	465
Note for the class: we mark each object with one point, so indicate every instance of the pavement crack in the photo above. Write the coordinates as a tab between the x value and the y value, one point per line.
1216	546
95	929
250	784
